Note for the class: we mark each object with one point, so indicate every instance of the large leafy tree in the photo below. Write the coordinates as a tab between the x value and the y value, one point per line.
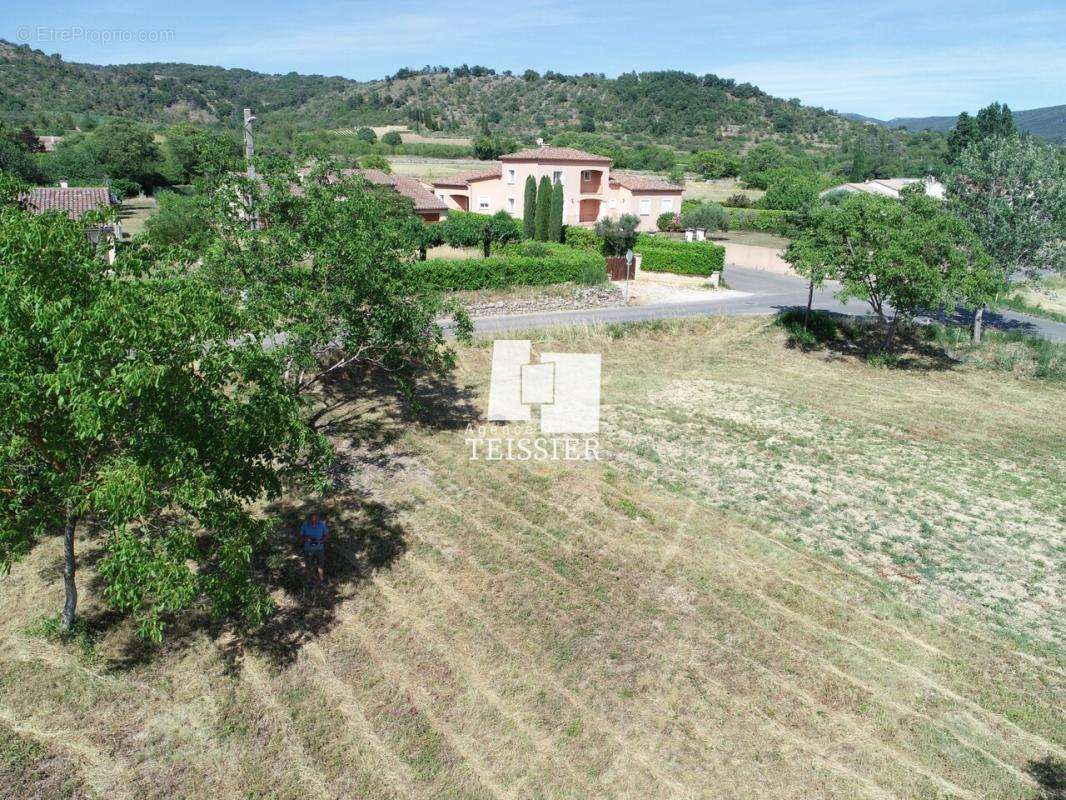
991	121
544	207
148	405
1012	192
529	208
791	189
899	256
716	164
127	150
193	152
134	410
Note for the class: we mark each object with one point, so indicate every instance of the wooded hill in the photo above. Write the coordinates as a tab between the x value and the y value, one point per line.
674	108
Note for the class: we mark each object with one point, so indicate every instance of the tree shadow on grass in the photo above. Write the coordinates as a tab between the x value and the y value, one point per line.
366	418
844	336
1050	774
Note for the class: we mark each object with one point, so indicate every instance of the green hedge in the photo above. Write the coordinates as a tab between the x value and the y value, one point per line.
783	223
582	238
511	268
659	254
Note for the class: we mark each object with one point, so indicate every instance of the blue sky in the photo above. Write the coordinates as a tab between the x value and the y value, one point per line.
904	58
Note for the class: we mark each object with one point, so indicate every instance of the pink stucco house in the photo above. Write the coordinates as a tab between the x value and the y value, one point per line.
591	190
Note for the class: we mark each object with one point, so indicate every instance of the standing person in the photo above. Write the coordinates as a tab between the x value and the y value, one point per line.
314	533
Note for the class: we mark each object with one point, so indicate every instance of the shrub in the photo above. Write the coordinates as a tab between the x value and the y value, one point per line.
511	268
582	238
738	200
593	273
668	221
783	223
392	138
716	164
534	248
124	187
681	258
469	229
366	135
619	235
791	189
706	216
374	161
180	220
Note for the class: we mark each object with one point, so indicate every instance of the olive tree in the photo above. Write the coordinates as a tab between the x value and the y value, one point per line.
900	256
1012	192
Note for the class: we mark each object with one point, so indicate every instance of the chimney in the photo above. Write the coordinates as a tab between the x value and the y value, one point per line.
64	185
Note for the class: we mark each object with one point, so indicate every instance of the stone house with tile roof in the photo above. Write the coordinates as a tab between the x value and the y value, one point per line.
427	204
75	202
591	191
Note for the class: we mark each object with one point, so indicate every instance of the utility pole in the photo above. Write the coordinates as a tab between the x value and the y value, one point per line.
249	152
249	145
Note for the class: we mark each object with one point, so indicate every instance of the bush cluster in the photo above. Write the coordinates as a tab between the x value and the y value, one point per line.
659	254
513	267
783	223
582	238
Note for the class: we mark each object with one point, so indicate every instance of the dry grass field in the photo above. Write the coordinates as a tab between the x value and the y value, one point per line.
408	136
715	191
791	575
429	169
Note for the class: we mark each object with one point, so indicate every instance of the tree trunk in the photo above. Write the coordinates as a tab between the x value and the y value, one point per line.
978	320
487	244
890	334
810	299
70	605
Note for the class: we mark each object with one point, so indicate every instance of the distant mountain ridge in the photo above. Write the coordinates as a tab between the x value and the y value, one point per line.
1048	123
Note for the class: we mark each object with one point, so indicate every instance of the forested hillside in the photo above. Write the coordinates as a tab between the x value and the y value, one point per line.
673	108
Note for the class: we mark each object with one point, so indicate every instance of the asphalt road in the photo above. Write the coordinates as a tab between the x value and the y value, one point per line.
768	293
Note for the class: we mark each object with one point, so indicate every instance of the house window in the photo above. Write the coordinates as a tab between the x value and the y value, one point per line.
510	204
510	176
483	202
667	204
645	207
557	176
586	175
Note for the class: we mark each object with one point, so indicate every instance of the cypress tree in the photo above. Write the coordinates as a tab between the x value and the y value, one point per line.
555	220
529	208
544	208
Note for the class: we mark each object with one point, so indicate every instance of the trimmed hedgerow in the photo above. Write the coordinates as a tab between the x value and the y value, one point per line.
512	267
658	254
582	238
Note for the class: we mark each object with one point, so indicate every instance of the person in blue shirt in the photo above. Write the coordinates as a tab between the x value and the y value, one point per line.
314	533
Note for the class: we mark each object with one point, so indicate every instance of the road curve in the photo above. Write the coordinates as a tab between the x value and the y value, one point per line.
766	293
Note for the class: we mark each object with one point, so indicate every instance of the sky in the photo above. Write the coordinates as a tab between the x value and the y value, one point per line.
887	59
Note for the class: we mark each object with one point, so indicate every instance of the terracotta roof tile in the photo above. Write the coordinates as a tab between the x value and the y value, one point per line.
464	178
547	153
644	183
412	188
76	202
